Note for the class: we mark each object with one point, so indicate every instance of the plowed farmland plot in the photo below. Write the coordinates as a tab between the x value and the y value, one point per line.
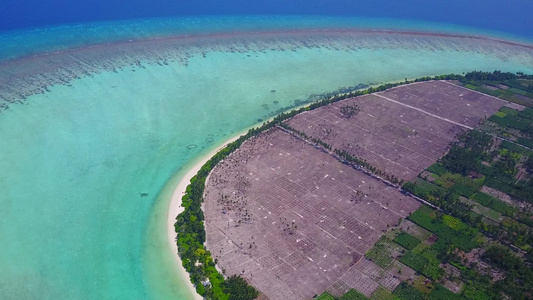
401	131
293	220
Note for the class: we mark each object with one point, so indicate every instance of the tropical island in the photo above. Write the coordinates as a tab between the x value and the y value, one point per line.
100	121
413	190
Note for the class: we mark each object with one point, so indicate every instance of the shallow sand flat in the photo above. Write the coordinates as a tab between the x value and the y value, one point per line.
38	72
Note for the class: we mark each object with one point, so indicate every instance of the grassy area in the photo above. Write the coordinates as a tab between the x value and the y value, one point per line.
382	293
405	291
517	148
442	293
383	251
423	285
426	190
379	257
420	248
414	261
462	235
437	169
494	203
472	293
353	295
500	114
482	210
511	121
504	89
418	232
406	240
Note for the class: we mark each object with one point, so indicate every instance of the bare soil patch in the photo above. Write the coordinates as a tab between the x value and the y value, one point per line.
293	220
404	136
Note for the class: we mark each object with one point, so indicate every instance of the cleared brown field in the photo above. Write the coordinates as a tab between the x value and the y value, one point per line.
401	131
293	220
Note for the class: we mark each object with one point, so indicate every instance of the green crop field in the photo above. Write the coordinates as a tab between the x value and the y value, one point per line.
414	261
494	203
464	236
406	240
442	293
353	295
382	293
407	292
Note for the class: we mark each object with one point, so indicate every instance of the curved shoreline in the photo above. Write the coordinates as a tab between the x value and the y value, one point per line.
209	161
175	208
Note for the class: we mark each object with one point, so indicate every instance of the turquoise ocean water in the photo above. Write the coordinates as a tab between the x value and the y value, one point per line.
84	164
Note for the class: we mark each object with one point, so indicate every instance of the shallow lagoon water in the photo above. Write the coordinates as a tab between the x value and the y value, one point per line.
83	165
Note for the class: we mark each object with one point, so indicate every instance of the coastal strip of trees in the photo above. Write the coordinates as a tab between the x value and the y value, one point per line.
189	226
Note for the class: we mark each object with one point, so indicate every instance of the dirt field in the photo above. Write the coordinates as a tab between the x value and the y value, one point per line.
401	131
293	220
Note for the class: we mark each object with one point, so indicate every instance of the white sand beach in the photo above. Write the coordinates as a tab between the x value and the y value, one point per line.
175	207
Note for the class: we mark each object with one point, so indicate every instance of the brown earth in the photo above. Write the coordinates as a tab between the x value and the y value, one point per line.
294	221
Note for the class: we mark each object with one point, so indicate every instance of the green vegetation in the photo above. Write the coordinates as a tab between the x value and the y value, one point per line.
508	86
437	169
432	270
447	228
518	281
467	154
406	240
472	293
405	291
493	203
353	295
520	120
423	284
382	293
414	261
382	252
350	295
380	258
448	187
441	293
479	209
238	289
189	227
454	178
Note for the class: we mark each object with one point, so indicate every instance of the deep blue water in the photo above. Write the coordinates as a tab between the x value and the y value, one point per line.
510	16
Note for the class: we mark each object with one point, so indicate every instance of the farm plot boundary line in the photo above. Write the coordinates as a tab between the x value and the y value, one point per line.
425	112
474	91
